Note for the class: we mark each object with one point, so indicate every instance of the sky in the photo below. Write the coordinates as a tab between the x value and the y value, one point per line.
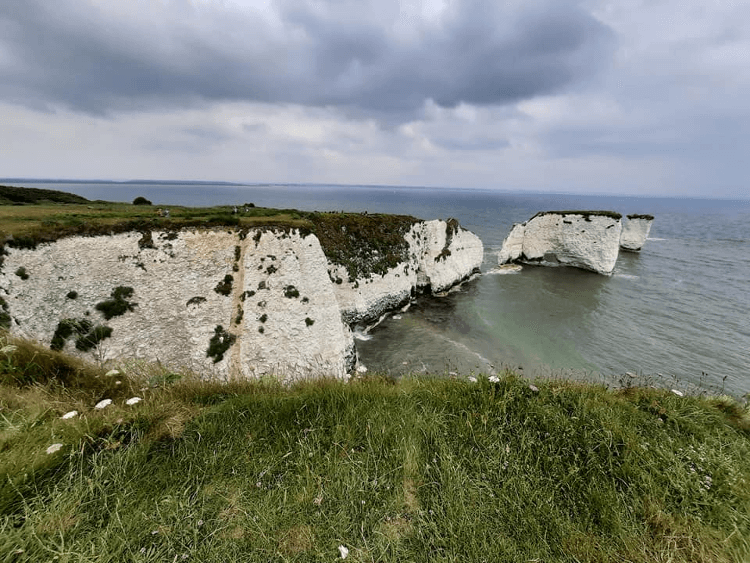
583	96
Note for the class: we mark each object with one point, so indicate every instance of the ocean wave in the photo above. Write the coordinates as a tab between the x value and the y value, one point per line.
359	335
649	238
627	276
505	269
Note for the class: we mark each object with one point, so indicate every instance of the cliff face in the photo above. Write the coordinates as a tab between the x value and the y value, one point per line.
440	255
220	301
587	240
635	232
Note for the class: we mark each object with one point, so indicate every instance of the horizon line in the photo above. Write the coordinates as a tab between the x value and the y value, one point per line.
358	185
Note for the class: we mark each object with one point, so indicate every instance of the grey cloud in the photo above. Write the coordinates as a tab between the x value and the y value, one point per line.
481	53
254	127
476	144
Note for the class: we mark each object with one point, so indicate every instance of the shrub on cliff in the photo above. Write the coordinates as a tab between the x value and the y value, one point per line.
140	200
118	304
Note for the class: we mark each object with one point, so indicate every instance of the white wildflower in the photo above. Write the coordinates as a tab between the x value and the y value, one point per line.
112	372
71	414
472	379
494	379
8	349
361	368
133	401
54	448
678	393
534	388
103	404
344	552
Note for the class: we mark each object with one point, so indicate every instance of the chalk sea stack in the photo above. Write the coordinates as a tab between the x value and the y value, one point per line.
635	232
583	239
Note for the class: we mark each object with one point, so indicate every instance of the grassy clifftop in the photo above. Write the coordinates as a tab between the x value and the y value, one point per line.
10	195
348	239
586	214
414	470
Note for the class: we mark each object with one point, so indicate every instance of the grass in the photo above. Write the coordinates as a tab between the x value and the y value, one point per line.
409	470
348	239
586	214
10	195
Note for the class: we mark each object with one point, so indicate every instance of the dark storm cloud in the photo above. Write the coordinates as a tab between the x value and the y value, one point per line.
87	58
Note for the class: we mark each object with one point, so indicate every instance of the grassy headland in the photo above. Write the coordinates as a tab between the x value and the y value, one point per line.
409	470
30	216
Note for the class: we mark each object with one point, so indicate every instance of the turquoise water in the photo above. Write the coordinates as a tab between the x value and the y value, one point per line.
679	308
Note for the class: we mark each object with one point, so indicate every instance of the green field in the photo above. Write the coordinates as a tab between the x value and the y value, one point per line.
410	470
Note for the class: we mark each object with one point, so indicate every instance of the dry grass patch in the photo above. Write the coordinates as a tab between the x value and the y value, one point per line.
297	540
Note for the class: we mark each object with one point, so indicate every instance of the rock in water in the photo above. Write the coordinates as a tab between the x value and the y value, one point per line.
583	239
635	232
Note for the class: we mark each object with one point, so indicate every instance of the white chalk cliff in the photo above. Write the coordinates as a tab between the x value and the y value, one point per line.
587	240
220	301
441	254
635	232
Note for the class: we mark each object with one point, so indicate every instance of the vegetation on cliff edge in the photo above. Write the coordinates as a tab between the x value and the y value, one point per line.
586	214
409	470
365	244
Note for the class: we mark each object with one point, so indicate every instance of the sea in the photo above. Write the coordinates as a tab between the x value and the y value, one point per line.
676	314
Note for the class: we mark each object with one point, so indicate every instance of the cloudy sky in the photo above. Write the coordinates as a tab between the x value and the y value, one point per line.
597	96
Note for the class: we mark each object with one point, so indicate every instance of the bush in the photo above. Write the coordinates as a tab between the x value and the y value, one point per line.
88	341
118	305
140	200
291	292
224	287
219	343
66	328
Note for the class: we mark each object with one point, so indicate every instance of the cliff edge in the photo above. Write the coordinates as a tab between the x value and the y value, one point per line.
229	301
